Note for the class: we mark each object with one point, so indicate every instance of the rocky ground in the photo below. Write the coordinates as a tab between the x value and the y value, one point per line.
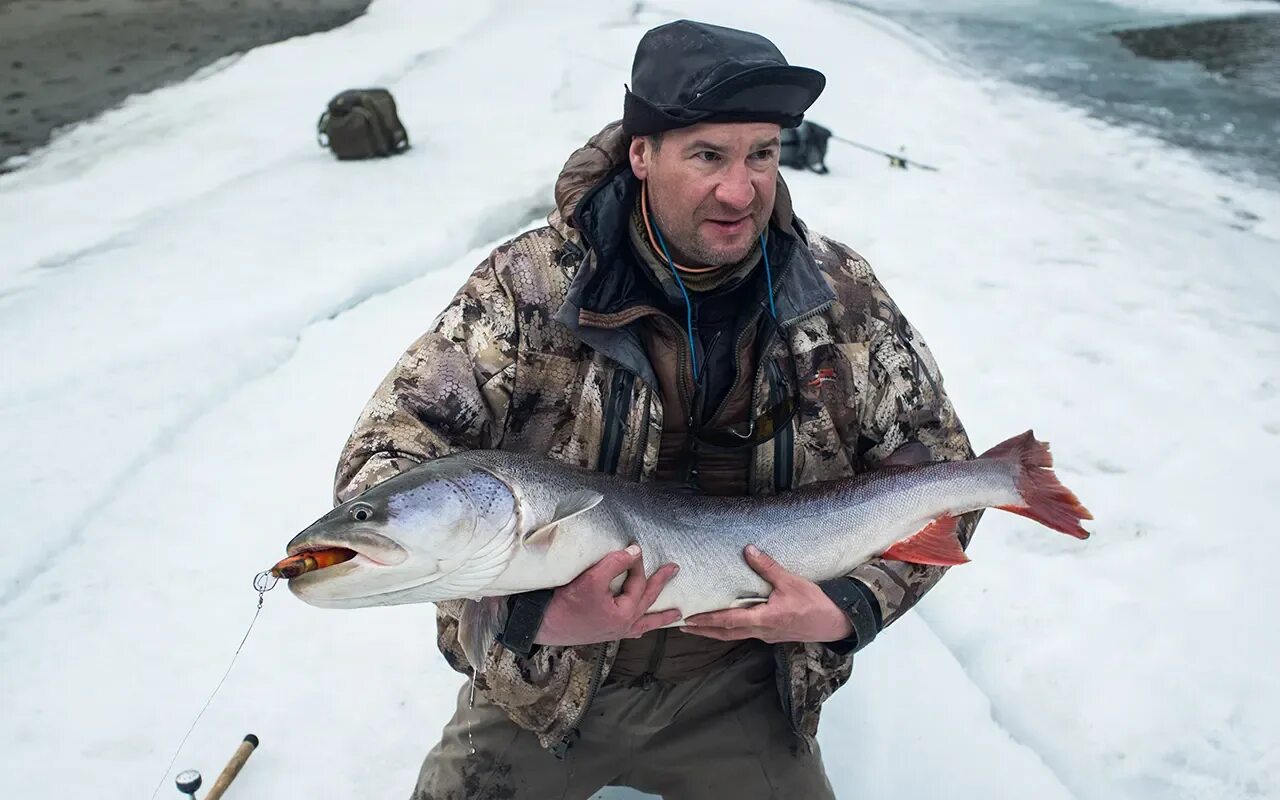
62	61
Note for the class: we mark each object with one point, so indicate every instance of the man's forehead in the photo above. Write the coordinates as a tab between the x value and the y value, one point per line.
726	133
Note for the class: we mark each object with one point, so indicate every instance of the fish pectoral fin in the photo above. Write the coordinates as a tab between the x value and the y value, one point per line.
748	602
570	506
479	627
935	544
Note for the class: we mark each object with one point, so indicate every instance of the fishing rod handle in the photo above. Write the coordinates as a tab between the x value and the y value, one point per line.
232	769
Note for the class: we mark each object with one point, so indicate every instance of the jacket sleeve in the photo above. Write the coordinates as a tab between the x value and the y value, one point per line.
905	406
449	392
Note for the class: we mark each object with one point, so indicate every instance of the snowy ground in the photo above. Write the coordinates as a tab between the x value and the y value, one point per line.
195	302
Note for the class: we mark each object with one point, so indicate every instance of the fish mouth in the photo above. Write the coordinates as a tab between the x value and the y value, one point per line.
365	564
370	546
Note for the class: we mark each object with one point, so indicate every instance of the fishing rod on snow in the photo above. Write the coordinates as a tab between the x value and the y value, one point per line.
189	781
805	147
895	160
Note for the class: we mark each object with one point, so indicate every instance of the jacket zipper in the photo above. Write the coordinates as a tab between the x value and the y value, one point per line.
642	439
616	408
783	664
737	362
561	748
615	411
784	441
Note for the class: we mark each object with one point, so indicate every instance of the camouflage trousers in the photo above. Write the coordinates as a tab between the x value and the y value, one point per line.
721	735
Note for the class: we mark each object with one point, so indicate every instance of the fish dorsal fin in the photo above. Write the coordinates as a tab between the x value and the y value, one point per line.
479	626
935	544
570	506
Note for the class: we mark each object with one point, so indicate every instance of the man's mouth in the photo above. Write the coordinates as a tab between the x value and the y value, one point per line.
730	226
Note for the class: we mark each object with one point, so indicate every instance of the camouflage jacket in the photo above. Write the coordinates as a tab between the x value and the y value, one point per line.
514	363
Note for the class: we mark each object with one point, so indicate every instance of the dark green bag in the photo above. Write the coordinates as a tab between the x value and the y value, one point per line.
805	147
362	123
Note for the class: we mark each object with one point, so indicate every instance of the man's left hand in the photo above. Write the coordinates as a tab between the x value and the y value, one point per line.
797	611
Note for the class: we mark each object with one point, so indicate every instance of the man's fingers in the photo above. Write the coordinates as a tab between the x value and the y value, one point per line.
656	584
766	567
651	622
634	585
612	565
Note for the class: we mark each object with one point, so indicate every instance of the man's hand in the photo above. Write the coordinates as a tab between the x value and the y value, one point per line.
586	611
797	611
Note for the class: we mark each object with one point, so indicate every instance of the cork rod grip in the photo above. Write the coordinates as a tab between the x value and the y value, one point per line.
232	769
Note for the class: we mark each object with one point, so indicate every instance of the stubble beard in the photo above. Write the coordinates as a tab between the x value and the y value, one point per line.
691	249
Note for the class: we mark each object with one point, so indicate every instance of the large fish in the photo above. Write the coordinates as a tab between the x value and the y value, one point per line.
484	524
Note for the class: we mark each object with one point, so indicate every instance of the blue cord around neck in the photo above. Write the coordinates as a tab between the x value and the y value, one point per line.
688	305
768	276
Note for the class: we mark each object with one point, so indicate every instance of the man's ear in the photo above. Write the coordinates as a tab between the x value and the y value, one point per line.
640	152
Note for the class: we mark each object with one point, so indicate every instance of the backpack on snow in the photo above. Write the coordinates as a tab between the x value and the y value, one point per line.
805	147
362	123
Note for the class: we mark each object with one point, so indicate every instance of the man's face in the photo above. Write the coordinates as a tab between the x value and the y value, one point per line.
711	188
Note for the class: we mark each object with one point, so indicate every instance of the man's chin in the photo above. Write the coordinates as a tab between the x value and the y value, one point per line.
724	251
728	256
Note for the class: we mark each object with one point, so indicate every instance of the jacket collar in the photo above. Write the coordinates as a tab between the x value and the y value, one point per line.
595	194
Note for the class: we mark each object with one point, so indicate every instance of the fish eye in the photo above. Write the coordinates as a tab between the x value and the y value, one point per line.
361	512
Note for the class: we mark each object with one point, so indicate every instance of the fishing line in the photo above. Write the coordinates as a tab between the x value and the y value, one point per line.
471	706
263	582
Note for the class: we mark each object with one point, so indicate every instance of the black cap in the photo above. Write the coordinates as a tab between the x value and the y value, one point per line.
689	72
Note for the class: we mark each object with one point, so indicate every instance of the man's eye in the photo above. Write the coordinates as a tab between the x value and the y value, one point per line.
708	156
764	155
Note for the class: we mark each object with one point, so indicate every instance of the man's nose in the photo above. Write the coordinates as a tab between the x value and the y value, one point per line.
735	189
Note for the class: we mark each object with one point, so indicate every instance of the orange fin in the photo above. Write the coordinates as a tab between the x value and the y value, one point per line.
1046	500
935	544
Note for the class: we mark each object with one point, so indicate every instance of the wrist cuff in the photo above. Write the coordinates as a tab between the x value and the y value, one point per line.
524	618
859	603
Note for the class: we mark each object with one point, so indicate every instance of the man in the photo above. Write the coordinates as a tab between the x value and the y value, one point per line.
674	321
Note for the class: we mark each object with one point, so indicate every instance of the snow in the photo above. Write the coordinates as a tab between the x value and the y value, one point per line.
195	308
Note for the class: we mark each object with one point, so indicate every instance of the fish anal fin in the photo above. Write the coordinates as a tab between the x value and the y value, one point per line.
748	602
479	626
935	544
571	505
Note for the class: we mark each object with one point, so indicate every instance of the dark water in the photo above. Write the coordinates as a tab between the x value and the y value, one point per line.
1207	83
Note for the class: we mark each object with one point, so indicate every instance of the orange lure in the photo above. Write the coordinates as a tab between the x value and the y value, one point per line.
312	560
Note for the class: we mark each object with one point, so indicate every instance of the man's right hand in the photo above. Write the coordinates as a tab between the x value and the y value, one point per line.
586	611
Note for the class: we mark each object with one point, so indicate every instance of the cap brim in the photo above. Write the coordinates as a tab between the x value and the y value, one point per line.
773	90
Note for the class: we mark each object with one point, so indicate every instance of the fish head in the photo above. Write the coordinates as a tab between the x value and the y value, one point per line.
443	530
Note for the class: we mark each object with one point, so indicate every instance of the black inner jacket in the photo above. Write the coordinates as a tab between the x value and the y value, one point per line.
623	281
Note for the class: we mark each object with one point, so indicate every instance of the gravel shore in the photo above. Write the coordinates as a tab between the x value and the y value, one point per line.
67	60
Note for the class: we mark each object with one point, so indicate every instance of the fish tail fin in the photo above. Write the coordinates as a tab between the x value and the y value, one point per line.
1045	499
